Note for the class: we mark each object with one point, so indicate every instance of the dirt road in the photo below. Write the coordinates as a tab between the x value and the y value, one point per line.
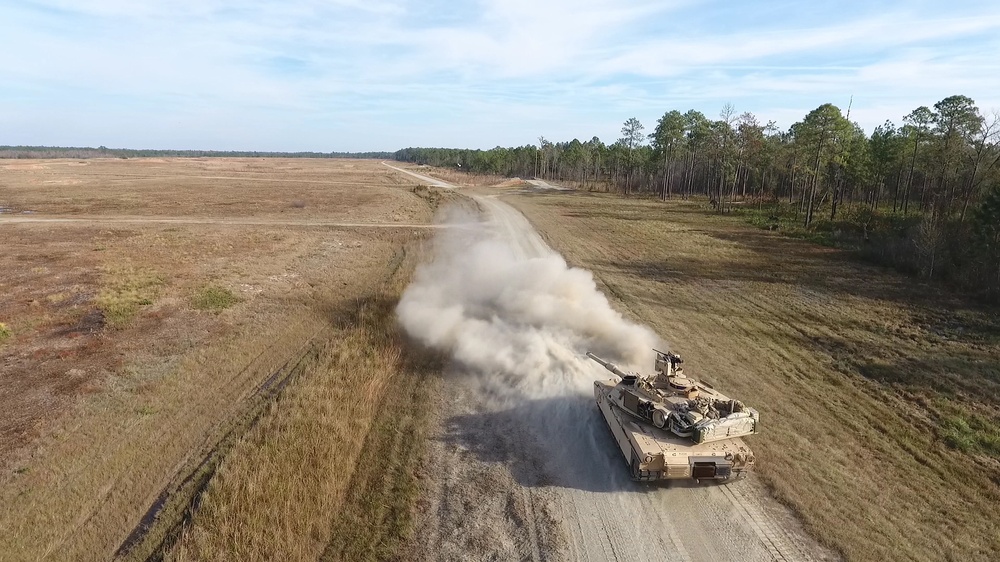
533	474
425	180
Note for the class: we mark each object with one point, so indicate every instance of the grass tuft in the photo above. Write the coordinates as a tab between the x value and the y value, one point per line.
214	298
126	290
972	434
5	332
958	435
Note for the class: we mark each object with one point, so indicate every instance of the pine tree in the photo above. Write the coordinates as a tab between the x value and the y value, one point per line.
987	229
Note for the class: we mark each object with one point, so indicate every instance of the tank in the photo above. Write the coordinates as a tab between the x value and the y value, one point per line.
669	426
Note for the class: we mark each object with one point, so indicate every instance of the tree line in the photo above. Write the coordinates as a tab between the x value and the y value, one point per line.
105	152
922	196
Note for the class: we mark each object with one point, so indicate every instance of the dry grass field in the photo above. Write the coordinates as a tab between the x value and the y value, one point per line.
188	312
312	480
863	378
199	361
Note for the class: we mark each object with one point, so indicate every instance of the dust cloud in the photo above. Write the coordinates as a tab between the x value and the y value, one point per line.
521	320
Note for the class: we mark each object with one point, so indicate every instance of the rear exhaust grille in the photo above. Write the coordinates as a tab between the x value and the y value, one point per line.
703	470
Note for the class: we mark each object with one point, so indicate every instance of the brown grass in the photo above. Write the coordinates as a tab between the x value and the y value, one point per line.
855	370
326	470
345	190
276	493
376	516
97	422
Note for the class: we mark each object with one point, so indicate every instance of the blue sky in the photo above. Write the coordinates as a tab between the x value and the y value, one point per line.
355	75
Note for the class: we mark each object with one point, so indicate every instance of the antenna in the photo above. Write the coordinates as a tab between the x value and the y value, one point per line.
849	104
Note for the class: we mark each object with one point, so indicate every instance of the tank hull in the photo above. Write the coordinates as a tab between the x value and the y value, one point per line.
654	454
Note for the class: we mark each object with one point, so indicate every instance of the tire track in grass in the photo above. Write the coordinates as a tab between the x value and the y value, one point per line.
183	495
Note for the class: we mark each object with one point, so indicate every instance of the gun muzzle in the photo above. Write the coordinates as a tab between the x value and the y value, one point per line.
608	365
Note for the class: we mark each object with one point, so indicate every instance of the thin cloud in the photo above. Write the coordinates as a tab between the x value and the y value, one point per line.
381	74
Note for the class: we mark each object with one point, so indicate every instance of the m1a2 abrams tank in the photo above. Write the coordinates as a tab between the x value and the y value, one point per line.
671	427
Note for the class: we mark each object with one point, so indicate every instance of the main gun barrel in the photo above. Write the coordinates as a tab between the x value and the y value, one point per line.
608	365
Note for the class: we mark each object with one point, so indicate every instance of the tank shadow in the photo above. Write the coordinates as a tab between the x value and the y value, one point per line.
559	441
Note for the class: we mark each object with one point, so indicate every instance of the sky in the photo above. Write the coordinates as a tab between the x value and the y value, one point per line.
368	75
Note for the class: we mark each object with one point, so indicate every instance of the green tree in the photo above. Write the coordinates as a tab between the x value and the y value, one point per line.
749	150
983	156
546	152
723	137
666	139
956	120
916	128
986	225
630	140
851	165
886	149
697	136
821	133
